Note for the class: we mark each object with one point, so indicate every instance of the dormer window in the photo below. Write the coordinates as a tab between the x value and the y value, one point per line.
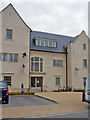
45	42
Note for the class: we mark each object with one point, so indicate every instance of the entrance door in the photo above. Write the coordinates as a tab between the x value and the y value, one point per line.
36	83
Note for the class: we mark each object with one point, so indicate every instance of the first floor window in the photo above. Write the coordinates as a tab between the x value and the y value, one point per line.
85	63
15	57
58	63
5	57
37	67
10	57
36	64
0	56
8	80
57	81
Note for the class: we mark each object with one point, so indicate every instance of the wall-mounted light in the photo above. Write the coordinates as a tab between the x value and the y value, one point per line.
23	68
24	54
77	70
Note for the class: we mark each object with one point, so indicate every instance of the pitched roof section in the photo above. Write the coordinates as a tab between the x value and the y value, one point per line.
16	12
60	39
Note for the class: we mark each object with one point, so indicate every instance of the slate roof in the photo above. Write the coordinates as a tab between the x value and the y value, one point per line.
60	39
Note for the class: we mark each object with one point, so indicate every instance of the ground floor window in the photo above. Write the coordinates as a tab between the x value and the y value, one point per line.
84	81
8	80
57	81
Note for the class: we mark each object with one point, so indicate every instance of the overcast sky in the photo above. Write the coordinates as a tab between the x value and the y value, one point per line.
55	16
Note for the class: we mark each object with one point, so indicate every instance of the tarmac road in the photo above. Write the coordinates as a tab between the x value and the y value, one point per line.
28	100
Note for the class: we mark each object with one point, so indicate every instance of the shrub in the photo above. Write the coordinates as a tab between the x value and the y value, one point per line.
19	93
79	90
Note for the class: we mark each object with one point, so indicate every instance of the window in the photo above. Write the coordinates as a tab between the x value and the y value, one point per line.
4	57
53	44
57	81
42	42
84	46
8	80
13	57
50	43
10	57
58	63
9	34
36	64
85	63
38	42
0	56
45	42
84	81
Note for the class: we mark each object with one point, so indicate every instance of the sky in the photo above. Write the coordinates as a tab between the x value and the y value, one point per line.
53	16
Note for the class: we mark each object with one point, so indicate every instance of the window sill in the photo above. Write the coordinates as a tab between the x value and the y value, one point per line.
37	73
8	39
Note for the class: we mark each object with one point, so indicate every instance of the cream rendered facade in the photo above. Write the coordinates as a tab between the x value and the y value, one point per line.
20	43
9	19
76	54
50	72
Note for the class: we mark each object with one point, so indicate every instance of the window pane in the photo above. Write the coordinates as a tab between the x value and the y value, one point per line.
32	66
57	81
36	58
41	67
0	56
10	57
84	46
42	42
15	57
32	82
85	63
32	58
41	59
60	63
38	42
39	82
84	81
46	43
37	67
7	79
54	62
50	43
5	57
9	34
54	44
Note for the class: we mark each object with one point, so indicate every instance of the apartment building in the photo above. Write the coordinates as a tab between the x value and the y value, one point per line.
41	61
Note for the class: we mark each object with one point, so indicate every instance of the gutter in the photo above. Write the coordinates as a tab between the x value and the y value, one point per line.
66	70
66	52
29	65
